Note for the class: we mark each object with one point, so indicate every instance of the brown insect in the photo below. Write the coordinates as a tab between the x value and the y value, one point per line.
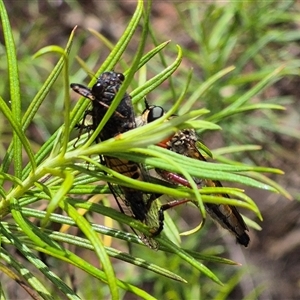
184	142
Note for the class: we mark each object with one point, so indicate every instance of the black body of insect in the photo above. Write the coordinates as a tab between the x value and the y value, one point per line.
139	204
184	142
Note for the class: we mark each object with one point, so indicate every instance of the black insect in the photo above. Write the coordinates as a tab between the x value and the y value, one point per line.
139	204
184	142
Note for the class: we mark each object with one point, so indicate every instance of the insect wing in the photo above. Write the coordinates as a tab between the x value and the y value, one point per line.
184	142
149	219
141	205
82	90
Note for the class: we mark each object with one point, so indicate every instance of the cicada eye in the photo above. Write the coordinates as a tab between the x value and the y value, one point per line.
155	113
98	89
121	76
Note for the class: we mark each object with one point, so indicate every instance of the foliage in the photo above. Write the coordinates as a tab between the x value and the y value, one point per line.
57	173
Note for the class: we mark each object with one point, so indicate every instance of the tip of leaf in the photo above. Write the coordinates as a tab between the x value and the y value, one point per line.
194	230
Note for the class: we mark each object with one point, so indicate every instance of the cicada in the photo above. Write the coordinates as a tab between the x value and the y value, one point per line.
139	204
184	142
